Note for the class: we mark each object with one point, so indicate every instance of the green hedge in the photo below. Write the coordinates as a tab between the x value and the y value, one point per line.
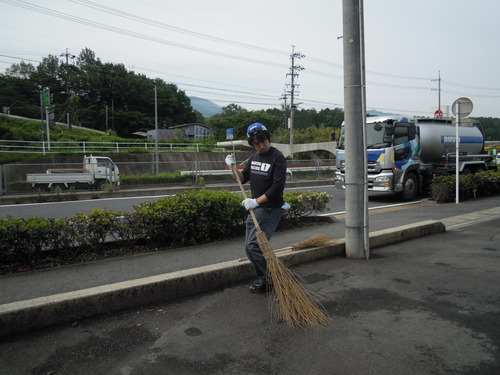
476	185
189	218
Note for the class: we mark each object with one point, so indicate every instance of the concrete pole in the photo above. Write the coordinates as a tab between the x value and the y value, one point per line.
457	154
357	236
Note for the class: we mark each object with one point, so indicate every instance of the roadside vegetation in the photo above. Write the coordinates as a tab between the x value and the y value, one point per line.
482	184
189	218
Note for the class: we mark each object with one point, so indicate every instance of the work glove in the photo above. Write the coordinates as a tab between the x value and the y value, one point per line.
285	206
250	204
230	161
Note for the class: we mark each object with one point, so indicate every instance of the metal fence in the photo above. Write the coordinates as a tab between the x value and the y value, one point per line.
13	176
83	147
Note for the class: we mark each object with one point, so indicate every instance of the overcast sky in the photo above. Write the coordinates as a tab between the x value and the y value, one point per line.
238	51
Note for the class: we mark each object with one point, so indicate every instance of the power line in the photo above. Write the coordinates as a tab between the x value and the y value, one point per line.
162	25
470	87
125	32
20	58
83	21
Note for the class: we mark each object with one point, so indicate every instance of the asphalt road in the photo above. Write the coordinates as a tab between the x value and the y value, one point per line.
70	208
425	306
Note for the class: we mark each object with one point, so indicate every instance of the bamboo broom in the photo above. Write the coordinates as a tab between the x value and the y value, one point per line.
290	301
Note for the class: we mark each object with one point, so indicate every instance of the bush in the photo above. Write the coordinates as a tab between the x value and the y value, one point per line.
303	204
470	186
190	218
23	240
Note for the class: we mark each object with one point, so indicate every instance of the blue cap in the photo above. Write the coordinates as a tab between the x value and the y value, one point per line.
255	129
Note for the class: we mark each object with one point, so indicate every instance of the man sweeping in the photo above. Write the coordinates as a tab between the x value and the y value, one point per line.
266	171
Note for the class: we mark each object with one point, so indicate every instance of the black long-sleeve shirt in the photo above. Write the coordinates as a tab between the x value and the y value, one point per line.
267	175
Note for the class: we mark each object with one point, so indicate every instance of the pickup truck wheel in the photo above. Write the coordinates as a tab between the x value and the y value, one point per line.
101	185
410	187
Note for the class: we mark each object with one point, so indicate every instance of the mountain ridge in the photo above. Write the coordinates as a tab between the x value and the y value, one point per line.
206	107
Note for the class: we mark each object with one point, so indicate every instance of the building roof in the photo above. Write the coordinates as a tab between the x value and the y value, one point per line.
191	124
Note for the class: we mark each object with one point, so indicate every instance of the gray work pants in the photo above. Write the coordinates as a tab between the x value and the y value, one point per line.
268	219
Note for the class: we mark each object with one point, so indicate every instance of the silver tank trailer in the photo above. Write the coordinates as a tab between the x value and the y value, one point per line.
438	139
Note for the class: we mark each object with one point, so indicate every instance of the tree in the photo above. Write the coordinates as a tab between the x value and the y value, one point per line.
231	110
491	128
22	70
240	122
93	86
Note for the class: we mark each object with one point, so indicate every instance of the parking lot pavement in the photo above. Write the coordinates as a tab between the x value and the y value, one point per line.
429	305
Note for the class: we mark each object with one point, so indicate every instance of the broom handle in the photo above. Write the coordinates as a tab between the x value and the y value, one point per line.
252	214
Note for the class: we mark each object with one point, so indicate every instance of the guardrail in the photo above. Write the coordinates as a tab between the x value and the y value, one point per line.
215	172
83	147
13	176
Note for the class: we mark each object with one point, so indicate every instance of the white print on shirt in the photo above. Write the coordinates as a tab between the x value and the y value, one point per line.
258	166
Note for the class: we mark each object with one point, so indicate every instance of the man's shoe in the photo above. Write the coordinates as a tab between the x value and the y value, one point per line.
260	287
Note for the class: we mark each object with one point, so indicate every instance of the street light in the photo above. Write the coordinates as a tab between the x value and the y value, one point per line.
157	169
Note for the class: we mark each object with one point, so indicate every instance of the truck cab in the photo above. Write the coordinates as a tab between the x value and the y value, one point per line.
103	170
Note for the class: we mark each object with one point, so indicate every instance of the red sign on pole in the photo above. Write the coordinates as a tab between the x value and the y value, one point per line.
438	113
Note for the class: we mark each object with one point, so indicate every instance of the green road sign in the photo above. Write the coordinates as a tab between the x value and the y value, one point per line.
45	98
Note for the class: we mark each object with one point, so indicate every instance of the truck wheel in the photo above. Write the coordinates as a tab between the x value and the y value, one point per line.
101	185
410	187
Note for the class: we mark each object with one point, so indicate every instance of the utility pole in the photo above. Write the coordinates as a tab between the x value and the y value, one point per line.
284	97
293	106
113	114
68	56
438	90
356	192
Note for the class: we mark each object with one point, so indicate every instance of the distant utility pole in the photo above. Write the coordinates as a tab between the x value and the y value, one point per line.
68	56
285	108
438	90
293	106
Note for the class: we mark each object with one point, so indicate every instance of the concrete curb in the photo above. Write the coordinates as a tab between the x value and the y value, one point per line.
23	316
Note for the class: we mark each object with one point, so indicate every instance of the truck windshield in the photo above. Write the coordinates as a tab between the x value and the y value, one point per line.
102	162
340	143
374	136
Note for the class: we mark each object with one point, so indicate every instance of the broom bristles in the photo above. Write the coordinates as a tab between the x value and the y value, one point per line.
315	241
291	302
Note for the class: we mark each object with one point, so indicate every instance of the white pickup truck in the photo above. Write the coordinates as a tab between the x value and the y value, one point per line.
97	171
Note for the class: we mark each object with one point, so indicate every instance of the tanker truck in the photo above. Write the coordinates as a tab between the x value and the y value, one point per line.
403	156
